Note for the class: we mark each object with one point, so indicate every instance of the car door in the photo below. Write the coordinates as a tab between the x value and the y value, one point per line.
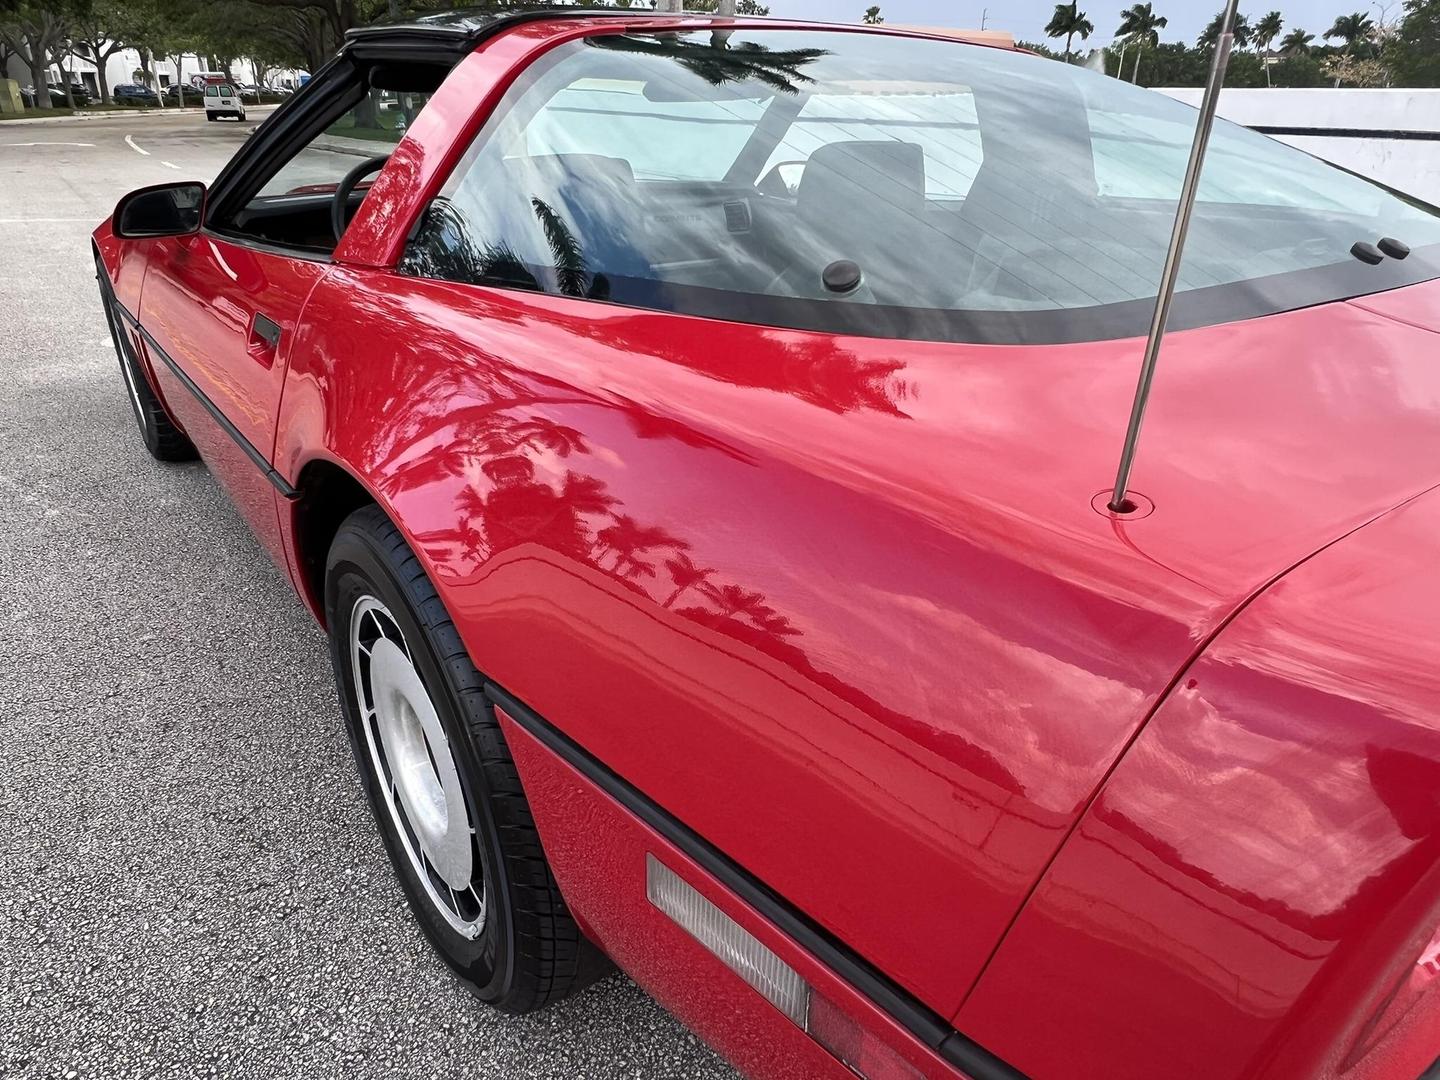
221	307
225	311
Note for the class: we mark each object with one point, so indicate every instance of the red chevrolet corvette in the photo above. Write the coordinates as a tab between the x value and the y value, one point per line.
696	438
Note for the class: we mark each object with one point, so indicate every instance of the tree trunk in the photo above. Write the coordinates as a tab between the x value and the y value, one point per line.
101	62
152	78
37	77
1138	53
65	78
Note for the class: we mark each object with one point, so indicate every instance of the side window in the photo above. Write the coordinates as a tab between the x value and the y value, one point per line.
370	128
358	117
212	90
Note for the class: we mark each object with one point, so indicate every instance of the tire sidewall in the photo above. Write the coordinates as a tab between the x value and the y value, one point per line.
136	386
360	566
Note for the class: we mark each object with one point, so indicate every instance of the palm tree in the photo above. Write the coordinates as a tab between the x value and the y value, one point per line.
1241	30
873	16
1266	31
1068	21
1141	26
1350	29
686	575
1296	43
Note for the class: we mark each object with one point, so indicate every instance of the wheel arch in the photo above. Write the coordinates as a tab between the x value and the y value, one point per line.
328	494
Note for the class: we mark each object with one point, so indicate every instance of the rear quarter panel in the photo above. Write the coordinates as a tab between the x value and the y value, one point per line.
835	603
1263	868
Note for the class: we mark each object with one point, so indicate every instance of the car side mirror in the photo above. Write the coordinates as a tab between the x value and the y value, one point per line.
162	210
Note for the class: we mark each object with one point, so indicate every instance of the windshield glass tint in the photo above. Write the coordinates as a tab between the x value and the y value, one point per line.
889	185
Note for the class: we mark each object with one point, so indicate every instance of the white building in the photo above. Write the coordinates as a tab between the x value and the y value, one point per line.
124	67
1392	136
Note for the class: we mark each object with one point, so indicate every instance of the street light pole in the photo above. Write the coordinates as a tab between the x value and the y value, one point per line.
1169	277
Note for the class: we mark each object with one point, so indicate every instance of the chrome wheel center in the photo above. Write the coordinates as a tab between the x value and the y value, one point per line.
412	760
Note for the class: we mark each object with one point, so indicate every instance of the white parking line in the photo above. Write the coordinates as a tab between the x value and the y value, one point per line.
130	142
47	144
169	164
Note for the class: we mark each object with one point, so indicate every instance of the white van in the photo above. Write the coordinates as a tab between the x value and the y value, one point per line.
223	99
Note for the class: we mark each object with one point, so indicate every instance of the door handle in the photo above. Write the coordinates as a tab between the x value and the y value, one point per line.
264	338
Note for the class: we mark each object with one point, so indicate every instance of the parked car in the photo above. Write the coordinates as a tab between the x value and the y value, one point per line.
178	94
719	574
58	100
57	97
134	94
248	92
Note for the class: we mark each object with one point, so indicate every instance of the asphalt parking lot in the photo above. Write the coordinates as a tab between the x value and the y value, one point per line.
190	883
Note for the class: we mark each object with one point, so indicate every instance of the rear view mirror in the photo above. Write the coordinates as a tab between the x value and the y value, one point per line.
163	210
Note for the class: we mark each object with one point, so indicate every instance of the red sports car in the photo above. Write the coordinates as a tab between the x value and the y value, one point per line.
696	437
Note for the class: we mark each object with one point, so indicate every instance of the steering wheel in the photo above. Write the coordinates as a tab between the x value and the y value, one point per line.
340	205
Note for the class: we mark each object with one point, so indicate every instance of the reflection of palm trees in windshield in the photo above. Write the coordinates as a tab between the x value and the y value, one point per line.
444	249
719	64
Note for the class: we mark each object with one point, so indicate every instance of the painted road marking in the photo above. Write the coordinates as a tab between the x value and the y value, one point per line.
130	142
48	144
169	164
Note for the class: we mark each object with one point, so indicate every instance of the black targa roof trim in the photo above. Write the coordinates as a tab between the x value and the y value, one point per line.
471	26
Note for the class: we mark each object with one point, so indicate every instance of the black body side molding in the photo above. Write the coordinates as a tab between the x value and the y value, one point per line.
921	1021
278	482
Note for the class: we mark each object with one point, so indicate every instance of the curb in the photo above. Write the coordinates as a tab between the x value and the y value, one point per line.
66	116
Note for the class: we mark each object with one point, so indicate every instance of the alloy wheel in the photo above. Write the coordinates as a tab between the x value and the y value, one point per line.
414	765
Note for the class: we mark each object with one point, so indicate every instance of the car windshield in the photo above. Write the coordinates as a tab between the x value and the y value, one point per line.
963	192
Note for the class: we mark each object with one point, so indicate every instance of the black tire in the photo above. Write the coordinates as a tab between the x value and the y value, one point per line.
529	952
209	116
162	438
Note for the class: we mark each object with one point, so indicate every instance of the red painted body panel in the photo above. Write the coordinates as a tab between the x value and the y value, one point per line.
1264	866
598	851
843	607
200	302
940	693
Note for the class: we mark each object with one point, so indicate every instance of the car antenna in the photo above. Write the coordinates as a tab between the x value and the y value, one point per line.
1120	502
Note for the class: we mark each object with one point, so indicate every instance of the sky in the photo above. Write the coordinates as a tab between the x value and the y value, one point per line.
1026	19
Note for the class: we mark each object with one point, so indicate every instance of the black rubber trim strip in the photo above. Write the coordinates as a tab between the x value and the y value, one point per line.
277	481
473	32
1400	135
922	1022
